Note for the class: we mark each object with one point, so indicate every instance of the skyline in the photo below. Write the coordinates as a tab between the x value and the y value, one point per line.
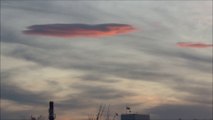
155	57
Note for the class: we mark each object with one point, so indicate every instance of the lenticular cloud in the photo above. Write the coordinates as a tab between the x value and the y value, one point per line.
78	30
194	45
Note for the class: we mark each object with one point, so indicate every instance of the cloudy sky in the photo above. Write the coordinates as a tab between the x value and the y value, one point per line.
79	55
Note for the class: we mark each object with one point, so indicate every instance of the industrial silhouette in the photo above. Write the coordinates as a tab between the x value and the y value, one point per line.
100	115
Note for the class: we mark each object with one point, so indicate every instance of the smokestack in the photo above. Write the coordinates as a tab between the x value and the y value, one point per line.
51	111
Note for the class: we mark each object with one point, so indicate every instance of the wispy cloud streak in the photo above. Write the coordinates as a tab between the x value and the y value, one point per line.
78	30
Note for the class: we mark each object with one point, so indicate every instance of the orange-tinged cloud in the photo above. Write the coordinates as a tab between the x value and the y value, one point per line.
194	45
78	30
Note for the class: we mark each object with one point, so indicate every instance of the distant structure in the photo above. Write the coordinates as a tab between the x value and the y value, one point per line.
51	111
135	117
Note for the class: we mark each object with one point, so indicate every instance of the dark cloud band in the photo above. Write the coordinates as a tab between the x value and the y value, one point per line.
194	45
78	30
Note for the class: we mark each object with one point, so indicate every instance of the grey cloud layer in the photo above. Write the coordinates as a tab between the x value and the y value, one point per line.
183	111
12	92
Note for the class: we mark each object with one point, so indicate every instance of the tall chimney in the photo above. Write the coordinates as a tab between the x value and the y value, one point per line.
51	111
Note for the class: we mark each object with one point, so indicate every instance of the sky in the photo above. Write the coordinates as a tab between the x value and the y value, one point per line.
153	56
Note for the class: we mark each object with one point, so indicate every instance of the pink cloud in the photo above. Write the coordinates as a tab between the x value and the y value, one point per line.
78	30
193	45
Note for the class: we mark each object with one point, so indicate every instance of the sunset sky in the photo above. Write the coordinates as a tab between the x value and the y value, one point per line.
155	57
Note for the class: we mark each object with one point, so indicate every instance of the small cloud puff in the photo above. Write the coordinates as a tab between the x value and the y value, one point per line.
193	45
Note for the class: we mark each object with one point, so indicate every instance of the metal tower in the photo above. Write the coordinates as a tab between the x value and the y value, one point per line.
51	111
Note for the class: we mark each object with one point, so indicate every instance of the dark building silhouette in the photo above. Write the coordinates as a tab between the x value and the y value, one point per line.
135	117
51	111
